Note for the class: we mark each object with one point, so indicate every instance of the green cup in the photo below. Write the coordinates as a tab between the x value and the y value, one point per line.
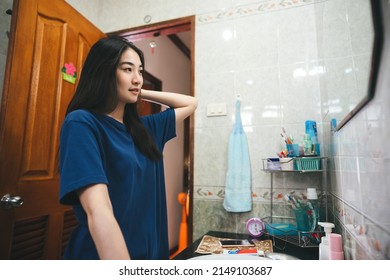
302	218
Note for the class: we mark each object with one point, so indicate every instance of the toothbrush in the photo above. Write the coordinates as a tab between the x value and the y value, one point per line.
296	201
244	251
287	198
284	138
288	140
314	214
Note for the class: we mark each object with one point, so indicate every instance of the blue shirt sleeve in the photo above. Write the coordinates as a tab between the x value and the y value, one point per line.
81	161
162	126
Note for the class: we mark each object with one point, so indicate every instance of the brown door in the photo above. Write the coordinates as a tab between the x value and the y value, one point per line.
45	34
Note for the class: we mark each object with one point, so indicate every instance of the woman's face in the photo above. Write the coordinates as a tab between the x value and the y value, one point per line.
129	77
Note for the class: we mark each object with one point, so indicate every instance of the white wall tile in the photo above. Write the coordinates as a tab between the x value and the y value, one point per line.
300	93
297	35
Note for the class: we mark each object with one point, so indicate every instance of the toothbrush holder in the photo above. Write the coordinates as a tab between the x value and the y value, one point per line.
293	150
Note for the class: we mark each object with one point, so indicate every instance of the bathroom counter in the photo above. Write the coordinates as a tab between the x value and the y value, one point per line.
310	253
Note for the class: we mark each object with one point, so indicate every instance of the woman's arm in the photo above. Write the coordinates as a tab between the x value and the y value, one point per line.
184	105
102	224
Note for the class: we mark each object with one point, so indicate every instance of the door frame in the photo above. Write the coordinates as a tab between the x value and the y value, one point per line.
167	28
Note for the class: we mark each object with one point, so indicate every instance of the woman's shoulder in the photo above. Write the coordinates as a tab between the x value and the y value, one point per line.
80	115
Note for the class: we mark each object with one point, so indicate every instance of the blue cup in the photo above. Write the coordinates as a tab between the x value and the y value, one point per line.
293	150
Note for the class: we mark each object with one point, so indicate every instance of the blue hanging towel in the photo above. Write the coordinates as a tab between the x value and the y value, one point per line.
238	194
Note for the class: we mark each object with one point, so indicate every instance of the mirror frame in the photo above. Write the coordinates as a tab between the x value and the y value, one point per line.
376	8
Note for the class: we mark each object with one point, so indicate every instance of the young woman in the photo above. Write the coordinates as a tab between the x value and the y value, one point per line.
111	163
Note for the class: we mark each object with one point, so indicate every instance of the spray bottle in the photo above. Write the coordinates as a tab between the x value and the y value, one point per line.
324	245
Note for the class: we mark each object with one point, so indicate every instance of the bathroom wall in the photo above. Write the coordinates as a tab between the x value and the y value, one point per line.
357	166
271	53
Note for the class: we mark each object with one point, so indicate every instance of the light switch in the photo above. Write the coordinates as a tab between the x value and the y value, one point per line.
214	110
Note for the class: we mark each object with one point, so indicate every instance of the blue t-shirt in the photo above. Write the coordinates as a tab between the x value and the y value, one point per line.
95	148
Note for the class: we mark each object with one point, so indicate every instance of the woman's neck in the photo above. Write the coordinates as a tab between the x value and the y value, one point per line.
117	114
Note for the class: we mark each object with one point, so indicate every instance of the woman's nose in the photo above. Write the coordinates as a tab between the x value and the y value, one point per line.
137	79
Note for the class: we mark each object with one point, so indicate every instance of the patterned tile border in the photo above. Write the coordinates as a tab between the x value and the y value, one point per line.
252	9
372	238
209	193
258	194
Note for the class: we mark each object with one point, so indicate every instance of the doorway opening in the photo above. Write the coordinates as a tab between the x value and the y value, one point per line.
180	32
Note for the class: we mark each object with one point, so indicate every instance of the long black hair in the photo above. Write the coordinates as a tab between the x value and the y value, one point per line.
97	90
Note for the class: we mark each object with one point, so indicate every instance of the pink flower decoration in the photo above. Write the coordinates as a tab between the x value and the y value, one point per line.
70	69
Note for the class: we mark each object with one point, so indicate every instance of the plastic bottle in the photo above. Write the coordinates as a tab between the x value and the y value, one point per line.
324	245
335	247
311	129
307	145
312	203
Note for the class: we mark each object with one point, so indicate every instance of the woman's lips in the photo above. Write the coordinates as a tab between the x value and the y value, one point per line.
134	90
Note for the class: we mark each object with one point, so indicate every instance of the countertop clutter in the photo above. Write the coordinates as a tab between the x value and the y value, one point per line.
278	246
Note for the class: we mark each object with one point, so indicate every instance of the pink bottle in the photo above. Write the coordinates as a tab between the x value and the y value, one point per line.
335	247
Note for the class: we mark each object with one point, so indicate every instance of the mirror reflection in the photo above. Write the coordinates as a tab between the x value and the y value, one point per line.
346	41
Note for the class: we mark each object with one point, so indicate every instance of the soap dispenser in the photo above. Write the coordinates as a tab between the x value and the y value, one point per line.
324	245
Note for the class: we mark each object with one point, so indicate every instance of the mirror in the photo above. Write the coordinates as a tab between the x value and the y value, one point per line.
350	39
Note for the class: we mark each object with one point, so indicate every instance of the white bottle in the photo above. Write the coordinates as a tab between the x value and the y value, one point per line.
324	245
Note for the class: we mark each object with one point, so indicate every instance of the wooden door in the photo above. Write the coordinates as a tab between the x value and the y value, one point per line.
45	34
